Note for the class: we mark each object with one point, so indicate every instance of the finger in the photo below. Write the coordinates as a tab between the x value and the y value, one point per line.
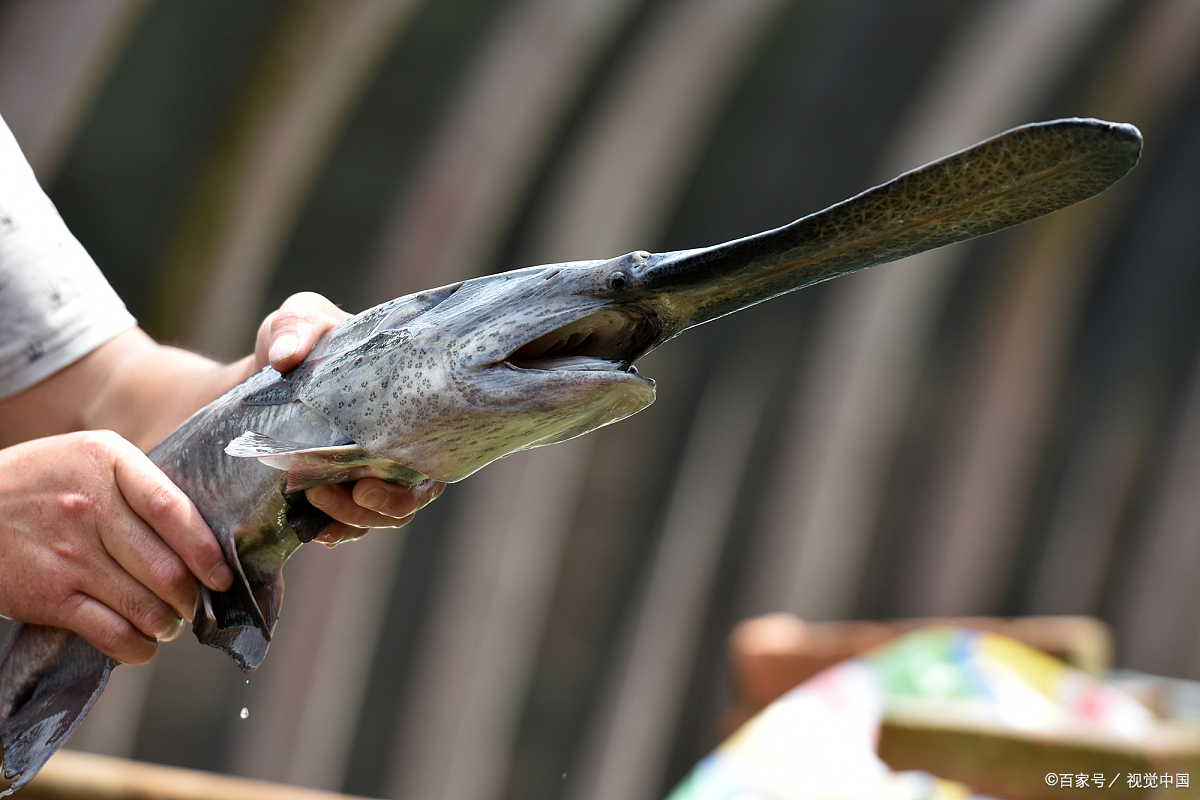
142	560
338	533
373	503
119	586
286	335
391	500
338	502
109	632
176	520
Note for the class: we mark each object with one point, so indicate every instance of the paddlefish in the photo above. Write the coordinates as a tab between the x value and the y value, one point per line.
443	382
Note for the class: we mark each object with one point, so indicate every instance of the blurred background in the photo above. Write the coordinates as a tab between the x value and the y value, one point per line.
1010	426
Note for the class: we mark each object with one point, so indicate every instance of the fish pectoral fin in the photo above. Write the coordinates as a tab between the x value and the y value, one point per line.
308	466
234	621
253	444
49	680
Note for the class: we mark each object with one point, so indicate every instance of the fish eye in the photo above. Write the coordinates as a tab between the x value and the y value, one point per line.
618	280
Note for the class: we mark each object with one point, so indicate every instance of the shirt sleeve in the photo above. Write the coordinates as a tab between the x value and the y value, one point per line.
55	305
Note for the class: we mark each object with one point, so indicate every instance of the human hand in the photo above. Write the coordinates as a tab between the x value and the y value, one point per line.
96	539
284	339
287	334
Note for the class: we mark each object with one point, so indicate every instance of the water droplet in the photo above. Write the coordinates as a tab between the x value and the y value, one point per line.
245	713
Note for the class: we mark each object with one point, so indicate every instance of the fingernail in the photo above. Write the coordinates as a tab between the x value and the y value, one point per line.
374	499
221	576
430	492
172	631
284	346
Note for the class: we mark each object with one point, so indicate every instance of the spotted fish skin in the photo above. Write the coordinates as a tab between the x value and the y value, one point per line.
441	383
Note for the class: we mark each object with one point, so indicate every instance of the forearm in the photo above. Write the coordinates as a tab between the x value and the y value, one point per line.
153	388
131	385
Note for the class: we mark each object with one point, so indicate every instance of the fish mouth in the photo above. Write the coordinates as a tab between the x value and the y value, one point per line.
607	341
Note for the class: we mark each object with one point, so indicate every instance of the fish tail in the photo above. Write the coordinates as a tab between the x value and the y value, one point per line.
49	680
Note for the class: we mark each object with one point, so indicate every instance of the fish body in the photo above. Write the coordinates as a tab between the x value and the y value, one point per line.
443	382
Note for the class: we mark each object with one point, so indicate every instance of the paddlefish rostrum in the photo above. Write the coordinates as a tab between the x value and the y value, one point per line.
443	382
